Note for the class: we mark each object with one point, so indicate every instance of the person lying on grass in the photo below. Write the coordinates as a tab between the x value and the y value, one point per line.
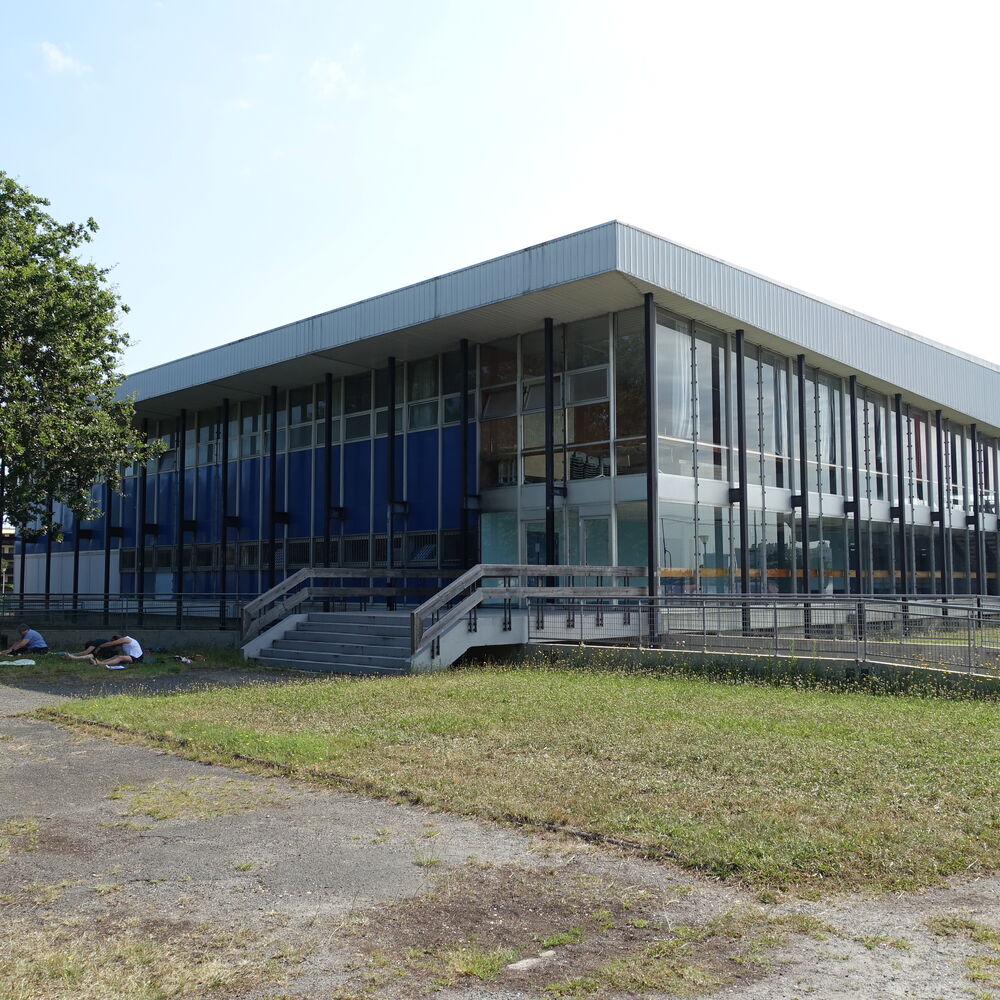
131	652
89	647
30	642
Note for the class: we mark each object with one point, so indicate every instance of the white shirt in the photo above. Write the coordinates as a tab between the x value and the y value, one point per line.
130	647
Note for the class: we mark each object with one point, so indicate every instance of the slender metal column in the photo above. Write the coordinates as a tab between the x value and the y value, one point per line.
24	560
76	562
803	472
107	549
48	553
856	483
900	509
223	509
975	518
740	494
947	583
463	461
652	462
327	465
140	529
390	467
550	455
181	504
272	493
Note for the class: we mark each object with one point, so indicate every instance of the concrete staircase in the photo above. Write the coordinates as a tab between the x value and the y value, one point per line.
373	642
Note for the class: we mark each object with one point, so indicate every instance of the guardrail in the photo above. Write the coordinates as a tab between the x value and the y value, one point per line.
944	632
303	589
506	584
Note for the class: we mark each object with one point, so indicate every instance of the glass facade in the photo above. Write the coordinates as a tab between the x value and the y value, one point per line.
923	541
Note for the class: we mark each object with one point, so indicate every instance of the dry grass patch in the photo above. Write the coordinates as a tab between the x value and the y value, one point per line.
983	968
583	935
18	835
196	798
140	960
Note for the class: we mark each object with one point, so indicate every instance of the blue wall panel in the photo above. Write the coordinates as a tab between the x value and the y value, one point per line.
357	470
450	492
165	484
300	494
130	505
249	499
206	503
422	480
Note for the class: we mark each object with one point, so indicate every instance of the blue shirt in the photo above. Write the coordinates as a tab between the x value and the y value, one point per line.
35	641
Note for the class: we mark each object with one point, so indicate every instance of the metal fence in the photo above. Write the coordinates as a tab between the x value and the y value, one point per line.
125	611
948	633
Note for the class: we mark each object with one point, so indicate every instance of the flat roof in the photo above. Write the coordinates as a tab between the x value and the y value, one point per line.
601	269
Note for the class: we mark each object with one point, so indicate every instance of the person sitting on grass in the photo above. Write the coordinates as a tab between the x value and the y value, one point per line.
131	652
89	647
30	642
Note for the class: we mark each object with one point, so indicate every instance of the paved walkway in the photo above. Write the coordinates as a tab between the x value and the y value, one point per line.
124	831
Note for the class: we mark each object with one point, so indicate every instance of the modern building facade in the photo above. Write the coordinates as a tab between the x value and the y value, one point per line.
508	412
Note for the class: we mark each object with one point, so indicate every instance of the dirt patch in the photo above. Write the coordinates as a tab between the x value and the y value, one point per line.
563	930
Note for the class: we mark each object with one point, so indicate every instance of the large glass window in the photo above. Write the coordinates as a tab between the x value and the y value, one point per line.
774	419
673	361
710	370
498	362
630	393
587	343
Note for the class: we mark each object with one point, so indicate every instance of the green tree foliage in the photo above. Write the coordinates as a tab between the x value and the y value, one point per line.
61	425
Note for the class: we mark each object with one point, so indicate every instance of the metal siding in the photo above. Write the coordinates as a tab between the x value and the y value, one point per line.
166	495
249	487
299	494
451	446
565	259
357	491
870	348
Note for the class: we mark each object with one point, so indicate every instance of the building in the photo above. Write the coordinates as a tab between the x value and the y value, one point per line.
799	446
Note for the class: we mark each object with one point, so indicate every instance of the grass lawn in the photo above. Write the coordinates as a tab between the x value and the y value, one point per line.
782	789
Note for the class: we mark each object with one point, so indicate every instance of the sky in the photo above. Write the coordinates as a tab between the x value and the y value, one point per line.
253	162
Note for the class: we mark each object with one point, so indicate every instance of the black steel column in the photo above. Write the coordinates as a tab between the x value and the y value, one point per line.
463	460
272	493
140	528
904	561
740	494
48	552
390	472
947	582
107	549
181	504
856	483
223	511
21	568
327	465
803	473
976	519
652	461
550	455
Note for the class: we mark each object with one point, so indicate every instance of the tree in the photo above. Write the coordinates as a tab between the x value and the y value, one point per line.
61	426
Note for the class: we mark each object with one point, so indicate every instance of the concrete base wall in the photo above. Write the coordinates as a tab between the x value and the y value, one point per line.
72	640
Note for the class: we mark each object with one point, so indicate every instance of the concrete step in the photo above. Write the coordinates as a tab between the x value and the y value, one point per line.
366	617
317	666
341	648
356	628
390	662
346	635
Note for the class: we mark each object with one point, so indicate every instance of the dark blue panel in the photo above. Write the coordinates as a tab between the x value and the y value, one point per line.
422	481
129	511
451	449
300	494
249	499
166	506
357	493
207	479
127	583
319	488
247	581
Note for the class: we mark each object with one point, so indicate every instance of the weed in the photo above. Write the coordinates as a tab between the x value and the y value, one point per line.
573	936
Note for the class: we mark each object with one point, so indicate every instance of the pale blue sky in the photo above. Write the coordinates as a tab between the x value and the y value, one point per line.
254	162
